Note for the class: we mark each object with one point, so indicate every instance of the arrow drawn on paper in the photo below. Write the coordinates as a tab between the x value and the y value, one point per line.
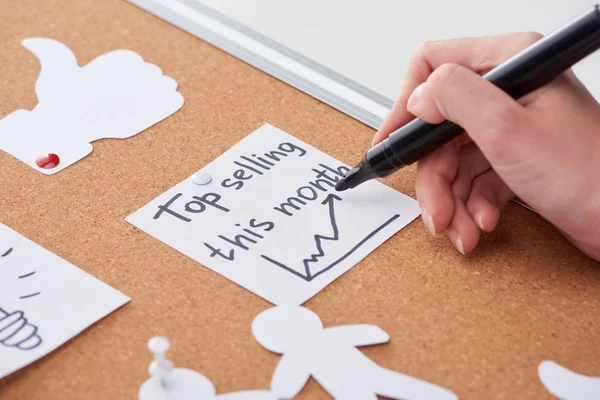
319	239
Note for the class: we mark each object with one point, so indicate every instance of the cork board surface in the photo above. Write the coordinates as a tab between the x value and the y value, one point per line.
478	325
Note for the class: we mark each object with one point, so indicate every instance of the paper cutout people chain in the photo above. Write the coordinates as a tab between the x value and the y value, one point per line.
116	95
17	332
566	384
331	357
168	383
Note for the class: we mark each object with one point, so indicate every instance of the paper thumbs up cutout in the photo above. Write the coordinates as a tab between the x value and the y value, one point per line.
116	95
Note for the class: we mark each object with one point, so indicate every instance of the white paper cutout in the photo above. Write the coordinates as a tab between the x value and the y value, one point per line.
237	226
116	95
566	384
330	356
168	383
186	384
44	301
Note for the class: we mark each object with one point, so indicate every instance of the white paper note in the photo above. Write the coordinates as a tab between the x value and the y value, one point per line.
270	219
116	95
566	384
44	301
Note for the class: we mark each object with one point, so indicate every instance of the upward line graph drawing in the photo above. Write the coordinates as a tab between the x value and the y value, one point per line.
308	276
320	238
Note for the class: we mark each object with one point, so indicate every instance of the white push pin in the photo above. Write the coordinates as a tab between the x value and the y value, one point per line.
160	367
201	178
168	383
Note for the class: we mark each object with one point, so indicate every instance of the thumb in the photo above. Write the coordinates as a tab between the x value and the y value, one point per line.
491	117
55	58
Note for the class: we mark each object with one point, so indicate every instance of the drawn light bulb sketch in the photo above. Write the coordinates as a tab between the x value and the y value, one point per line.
23	276
313	264
16	331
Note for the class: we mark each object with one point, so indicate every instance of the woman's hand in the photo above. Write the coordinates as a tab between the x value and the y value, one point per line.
544	148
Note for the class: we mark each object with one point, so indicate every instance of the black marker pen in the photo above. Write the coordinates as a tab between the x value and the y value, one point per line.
522	74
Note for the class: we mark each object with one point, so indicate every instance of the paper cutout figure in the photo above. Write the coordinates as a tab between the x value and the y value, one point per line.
168	383
566	384
16	331
331	357
116	95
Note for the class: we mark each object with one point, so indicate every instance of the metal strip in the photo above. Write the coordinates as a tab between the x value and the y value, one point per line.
376	97
271	57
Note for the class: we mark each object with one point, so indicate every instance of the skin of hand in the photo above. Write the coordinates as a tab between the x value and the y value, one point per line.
544	147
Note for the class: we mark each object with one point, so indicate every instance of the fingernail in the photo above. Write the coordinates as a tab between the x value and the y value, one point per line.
428	221
457	241
413	100
479	220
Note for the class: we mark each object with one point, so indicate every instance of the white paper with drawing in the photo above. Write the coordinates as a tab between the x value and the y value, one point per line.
44	301
270	219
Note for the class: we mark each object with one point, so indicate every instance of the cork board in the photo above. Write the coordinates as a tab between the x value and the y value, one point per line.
478	325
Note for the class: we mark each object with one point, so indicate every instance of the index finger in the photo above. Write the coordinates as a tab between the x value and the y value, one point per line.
479	54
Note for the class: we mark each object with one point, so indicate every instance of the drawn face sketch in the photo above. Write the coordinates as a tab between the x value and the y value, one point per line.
330	356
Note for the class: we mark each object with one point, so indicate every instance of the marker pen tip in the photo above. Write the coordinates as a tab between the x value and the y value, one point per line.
347	180
341	185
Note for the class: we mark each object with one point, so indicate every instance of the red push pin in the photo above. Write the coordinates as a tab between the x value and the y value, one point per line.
47	161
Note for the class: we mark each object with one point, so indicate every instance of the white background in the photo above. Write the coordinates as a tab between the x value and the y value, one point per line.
371	41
